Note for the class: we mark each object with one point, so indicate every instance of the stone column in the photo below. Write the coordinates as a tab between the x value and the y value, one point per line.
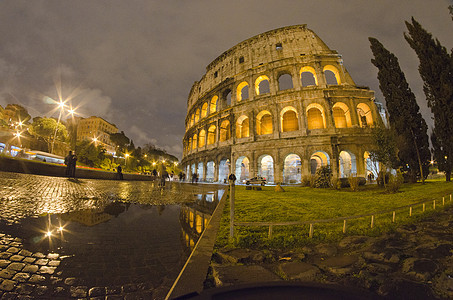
353	111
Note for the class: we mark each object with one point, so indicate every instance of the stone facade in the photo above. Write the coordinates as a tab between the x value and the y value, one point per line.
278	105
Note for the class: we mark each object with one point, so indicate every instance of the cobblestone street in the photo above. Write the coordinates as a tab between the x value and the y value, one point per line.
97	264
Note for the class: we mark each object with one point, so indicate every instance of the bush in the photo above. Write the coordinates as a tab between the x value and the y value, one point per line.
335	183
322	177
306	180
395	181
354	182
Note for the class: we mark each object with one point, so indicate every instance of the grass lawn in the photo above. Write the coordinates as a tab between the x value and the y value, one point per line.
306	204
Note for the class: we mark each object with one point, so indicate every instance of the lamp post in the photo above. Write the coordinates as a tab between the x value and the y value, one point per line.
61	105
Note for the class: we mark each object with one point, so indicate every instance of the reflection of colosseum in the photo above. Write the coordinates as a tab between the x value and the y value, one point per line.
278	105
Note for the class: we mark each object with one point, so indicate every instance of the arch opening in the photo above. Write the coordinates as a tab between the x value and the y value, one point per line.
289	119
242	91
210	171
242	170
347	162
225	132
213	105
292	169
365	116
315	116
200	171
202	139
341	115
262	85
264	123
204	110
266	168
285	82
242	127
317	160
224	170
211	135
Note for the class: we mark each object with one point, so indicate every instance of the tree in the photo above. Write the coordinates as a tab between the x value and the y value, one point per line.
45	128
440	155
384	147
17	113
89	154
404	113
436	71
120	140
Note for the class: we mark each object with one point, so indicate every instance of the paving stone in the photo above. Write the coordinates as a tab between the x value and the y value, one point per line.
70	281
78	291
4	263
300	270
54	263
13	250
37	278
41	290
7	274
59	291
229	275
21	277
112	290
42	262
97	291
26	288
5	255
53	255
16	258
39	255
16	266
29	260
46	270
7	285
10	296
25	252
30	269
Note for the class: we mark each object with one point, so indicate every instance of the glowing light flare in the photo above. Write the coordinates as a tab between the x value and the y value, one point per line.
49	234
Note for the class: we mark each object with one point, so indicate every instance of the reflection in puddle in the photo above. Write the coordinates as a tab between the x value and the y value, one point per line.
117	243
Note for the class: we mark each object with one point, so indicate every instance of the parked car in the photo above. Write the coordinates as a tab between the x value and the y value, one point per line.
256	180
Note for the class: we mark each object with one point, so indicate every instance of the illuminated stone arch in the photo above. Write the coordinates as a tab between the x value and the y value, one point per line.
347	163
202	139
242	127
266	167
262	85
204	110
332	78
194	141
224	169
213	104
264	123
211	134
189	144
315	116
317	160
289	119
341	115
242	168
365	115
200	171
242	91
307	76
192	119
285	82
371	166
226	95
292	169
197	115
210	171
225	131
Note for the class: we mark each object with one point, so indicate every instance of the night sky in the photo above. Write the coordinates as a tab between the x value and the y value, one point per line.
133	62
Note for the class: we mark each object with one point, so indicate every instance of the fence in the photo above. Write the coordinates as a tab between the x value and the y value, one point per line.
271	225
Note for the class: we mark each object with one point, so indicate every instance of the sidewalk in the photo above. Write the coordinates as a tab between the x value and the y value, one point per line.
25	273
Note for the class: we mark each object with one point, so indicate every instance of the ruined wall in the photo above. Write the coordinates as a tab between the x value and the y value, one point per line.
280	93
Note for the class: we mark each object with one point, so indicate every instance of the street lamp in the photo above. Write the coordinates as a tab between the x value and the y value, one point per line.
126	156
61	106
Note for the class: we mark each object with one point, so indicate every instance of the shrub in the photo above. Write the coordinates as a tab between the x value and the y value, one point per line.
306	180
354	183
335	183
395	181
322	177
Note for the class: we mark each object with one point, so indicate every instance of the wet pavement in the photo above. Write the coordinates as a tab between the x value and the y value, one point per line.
98	239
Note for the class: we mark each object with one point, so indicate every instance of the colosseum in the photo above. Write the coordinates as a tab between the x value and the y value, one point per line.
278	105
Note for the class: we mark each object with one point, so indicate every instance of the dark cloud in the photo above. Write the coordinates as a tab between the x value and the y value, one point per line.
134	62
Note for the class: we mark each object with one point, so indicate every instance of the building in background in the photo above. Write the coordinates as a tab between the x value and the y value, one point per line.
96	129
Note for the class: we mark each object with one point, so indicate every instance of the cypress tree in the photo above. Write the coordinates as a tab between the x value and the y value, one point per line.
404	113
436	70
